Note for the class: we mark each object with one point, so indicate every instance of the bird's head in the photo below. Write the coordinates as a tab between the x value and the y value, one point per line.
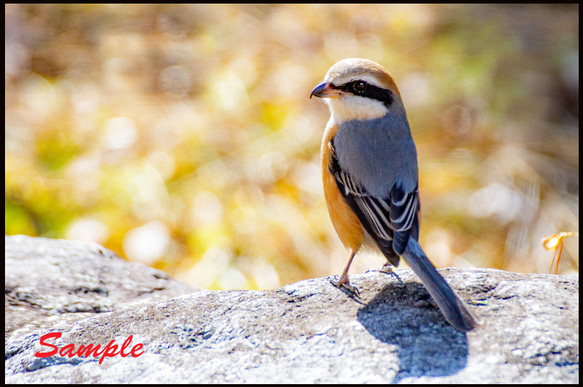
359	89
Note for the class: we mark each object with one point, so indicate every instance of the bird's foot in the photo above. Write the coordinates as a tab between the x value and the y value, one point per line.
387	269
343	284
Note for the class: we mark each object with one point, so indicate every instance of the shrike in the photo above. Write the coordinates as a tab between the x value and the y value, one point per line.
370	175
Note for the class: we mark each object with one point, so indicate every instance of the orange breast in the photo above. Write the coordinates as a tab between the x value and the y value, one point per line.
345	222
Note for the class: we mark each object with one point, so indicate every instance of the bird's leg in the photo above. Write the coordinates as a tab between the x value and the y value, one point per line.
343	282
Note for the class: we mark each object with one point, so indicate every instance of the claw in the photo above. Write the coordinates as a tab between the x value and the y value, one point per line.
387	269
344	284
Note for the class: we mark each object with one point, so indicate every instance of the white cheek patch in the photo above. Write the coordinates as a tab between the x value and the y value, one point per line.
351	107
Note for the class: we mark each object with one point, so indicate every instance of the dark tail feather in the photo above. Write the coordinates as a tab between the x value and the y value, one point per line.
452	307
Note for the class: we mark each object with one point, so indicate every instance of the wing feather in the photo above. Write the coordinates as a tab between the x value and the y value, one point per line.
390	219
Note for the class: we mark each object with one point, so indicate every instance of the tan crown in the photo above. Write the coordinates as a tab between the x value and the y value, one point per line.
357	68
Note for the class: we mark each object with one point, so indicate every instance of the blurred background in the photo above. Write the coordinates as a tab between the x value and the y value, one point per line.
182	136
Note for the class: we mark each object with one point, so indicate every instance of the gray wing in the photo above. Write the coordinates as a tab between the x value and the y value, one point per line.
390	219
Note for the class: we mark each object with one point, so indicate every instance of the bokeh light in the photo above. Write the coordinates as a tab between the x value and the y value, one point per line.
182	136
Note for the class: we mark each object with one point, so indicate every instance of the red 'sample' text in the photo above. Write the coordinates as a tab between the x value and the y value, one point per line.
110	350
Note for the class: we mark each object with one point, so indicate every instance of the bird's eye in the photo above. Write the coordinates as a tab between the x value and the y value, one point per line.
359	87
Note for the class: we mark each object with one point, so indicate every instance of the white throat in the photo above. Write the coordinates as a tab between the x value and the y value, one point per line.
351	107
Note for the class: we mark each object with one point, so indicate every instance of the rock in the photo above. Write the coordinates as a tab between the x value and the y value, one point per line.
48	281
307	332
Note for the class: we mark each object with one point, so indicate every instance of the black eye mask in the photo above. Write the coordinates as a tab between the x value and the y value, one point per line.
364	89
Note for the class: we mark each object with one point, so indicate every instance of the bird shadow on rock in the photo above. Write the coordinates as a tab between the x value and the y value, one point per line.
404	316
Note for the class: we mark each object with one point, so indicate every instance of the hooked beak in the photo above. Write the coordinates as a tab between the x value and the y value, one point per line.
325	90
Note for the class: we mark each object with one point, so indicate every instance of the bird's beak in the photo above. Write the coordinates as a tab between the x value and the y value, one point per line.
325	90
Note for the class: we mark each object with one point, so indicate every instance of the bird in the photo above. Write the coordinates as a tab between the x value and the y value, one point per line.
370	177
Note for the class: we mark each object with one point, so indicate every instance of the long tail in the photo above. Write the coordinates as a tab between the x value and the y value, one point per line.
452	307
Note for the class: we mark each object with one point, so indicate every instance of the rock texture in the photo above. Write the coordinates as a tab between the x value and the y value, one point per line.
307	332
48	281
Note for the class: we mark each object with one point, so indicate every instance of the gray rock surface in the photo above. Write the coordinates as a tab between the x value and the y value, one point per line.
307	332
48	281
